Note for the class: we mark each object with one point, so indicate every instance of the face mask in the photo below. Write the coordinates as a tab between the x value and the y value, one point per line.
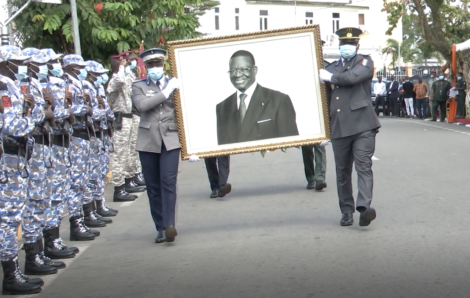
155	73
22	72
105	78
347	51
127	70
43	71
98	81
441	77
57	70
83	74
459	78
133	64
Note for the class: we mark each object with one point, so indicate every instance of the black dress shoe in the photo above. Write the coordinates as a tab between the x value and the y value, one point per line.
214	194
160	237
311	185
319	185
347	219
367	216
170	233
226	189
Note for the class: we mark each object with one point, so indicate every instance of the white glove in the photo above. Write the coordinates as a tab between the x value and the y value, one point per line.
324	143
170	87
193	158
325	75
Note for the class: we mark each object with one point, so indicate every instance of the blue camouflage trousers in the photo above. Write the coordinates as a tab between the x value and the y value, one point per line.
59	181
34	212
94	166
103	157
79	176
12	204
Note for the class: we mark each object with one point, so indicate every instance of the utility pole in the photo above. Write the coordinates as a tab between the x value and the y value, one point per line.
76	33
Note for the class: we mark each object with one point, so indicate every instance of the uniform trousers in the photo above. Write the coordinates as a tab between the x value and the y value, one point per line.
461	109
161	171
218	169
34	212
357	149
103	155
135	161
314	171
121	165
13	201
442	105
79	175
58	181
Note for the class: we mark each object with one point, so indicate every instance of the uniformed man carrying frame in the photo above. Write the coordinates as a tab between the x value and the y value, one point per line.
353	125
157	141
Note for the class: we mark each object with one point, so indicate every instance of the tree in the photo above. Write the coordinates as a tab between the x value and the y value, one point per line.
110	26
442	23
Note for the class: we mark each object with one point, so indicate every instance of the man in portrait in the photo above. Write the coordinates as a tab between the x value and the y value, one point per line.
253	112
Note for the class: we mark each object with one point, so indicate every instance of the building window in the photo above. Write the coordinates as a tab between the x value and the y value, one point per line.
335	21
308	18
237	10
361	19
237	23
187	10
263	20
216	22
216	9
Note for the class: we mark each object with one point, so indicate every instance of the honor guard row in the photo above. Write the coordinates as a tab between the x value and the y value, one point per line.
57	125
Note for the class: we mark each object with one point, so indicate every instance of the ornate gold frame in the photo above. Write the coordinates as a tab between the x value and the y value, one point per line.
315	29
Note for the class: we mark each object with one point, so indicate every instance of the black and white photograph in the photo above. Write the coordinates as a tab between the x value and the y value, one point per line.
248	93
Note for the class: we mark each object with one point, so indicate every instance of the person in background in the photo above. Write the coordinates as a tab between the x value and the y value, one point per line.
393	97
380	90
218	169
408	96
461	87
440	90
420	90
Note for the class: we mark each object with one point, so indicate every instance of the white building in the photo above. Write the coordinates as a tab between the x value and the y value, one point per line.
243	16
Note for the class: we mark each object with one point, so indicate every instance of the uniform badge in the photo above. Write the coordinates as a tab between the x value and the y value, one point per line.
23	87
365	62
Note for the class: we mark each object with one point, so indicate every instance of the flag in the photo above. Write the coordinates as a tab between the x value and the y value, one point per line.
140	63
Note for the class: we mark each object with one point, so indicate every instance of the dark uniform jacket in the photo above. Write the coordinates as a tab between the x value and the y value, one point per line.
349	97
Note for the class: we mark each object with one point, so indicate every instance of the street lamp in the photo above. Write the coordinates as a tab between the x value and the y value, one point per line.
5	24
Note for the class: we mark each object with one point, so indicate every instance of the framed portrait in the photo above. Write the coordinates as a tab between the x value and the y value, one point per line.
249	92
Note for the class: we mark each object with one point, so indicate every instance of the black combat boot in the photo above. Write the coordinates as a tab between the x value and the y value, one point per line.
14	282
112	209
103	210
31	280
73	249
34	265
120	194
132	187
139	179
54	248
46	260
94	232
102	218
78	231
90	219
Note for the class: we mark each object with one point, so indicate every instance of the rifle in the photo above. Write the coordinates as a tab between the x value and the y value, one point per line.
25	90
48	125
89	121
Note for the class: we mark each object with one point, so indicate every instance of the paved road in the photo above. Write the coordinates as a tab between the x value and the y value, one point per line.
274	238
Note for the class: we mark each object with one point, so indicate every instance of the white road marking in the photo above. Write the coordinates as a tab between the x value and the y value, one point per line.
127	204
48	279
374	158
443	128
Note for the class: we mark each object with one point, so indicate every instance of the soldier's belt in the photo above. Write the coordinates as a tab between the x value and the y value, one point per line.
15	149
123	115
61	140
81	133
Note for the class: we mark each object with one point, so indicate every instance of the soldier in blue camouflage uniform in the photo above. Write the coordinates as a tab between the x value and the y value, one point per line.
75	71
95	73
17	124
58	179
33	217
93	219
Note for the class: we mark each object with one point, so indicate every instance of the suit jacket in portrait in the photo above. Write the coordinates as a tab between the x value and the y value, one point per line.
270	114
157	117
349	97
